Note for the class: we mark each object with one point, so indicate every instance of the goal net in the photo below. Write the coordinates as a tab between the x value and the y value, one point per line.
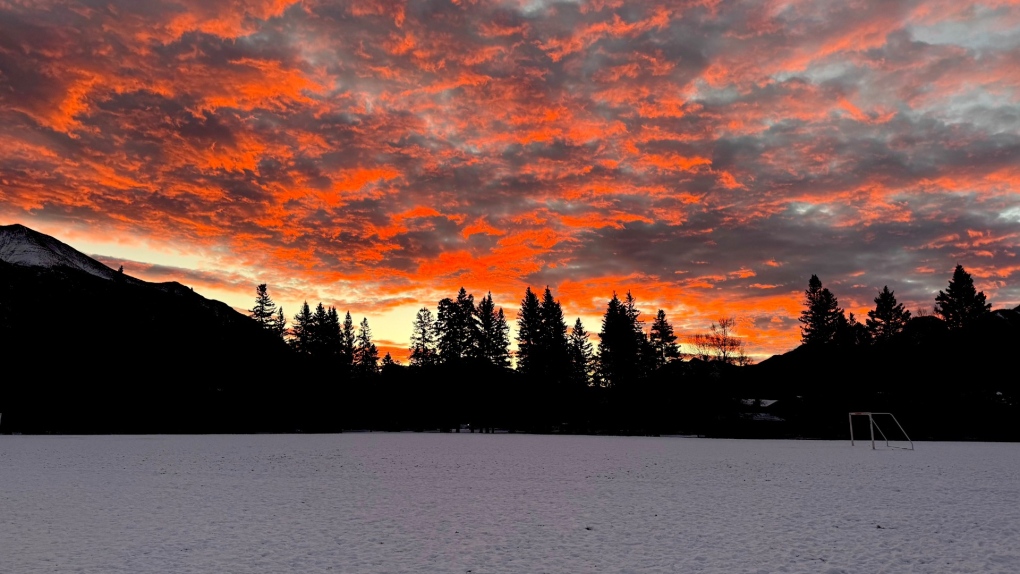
903	443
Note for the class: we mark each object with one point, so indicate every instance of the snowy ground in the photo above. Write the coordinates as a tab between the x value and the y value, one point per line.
502	503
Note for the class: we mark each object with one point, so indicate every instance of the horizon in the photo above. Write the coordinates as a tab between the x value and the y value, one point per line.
708	157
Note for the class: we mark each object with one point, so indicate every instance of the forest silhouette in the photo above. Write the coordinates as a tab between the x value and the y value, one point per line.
102	356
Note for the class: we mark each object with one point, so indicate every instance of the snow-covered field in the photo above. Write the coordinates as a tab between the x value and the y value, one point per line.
502	503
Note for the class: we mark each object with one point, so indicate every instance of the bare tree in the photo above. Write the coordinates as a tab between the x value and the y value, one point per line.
719	344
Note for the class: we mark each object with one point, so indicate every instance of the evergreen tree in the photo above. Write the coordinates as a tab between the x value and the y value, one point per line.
555	360
318	332
619	344
456	328
423	340
494	342
301	332
582	356
366	356
470	333
529	334
662	340
347	341
888	318
961	304
851	333
821	319
388	361
279	323
264	310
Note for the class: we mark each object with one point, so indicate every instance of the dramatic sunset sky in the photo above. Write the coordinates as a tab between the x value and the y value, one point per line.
376	156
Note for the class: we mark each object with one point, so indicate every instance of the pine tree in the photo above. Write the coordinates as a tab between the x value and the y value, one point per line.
301	332
366	356
663	341
423	340
388	362
279	326
529	334
318	332
264	310
331	333
619	344
456	329
821	319
494	342
347	342
555	361
582	356
961	304
888	318
470	333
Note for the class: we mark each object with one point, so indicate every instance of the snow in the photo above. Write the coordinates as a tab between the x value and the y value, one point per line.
503	503
20	245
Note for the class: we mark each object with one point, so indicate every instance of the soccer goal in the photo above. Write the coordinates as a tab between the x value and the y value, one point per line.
873	426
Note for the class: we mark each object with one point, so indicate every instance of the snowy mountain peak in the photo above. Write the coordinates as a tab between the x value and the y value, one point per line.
20	245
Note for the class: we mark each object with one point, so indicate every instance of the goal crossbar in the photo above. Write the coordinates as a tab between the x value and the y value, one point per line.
873	425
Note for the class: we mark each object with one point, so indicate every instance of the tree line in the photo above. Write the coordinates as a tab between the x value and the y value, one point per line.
461	330
823	322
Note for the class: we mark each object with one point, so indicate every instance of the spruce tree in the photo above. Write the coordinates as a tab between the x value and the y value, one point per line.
555	361
366	356
470	334
318	332
279	326
529	334
961	304
347	341
663	340
888	318
494	344
619	349
301	332
582	356
264	310
423	340
821	319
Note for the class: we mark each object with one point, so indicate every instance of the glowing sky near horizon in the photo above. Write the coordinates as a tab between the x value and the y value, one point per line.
708	156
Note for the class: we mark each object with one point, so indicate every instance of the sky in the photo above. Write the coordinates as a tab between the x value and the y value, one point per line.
708	156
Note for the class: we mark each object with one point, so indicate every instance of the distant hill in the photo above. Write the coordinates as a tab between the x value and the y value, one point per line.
83	337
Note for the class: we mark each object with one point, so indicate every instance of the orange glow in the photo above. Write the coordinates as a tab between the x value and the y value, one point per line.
708	156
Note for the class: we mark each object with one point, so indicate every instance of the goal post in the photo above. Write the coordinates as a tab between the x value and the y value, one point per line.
873	426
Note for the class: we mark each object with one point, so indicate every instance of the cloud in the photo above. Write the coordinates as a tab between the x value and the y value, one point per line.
709	156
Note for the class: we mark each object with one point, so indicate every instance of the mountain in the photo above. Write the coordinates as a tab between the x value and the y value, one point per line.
78	338
22	246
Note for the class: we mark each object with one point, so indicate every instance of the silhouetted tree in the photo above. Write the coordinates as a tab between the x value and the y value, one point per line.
663	340
264	310
280	323
347	342
456	328
423	340
555	361
529	334
388	361
582	356
851	333
620	345
719	344
366	356
301	332
888	317
494	342
318	335
961	304
822	317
